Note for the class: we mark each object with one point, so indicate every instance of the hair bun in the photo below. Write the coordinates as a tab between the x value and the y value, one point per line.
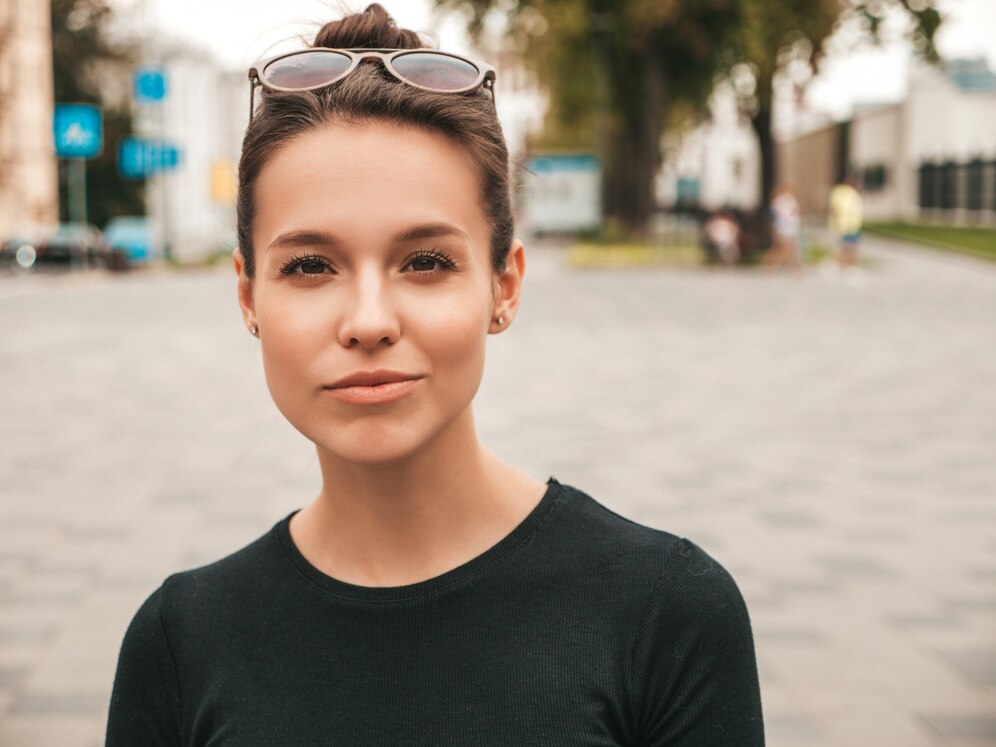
372	29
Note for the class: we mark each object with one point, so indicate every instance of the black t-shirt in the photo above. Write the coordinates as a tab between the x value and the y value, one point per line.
578	628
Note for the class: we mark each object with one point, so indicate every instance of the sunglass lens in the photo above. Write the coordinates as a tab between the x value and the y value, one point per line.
437	71
306	70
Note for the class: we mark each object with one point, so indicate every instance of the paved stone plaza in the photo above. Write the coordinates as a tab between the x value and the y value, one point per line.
832	440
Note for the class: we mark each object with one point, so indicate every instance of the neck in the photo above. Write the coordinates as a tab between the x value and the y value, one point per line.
411	520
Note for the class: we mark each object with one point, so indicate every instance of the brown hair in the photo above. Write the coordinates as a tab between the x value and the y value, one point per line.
371	93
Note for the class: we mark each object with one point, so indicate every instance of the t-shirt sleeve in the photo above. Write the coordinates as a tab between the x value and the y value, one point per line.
694	674
145	702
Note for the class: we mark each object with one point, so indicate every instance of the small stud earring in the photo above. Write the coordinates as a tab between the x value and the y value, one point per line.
254	331
501	321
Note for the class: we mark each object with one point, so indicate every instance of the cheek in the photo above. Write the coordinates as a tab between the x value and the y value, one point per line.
456	330
292	329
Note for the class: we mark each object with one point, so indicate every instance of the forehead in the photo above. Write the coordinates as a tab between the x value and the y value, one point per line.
367	181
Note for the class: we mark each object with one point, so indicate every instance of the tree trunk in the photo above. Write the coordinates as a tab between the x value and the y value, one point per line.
634	150
761	122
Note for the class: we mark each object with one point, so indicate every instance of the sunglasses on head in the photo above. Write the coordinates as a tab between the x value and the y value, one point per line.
428	69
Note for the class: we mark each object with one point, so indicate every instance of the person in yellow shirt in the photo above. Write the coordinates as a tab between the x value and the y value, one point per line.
845	218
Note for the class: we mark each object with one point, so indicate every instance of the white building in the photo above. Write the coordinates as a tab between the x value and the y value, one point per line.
203	114
714	165
933	155
28	176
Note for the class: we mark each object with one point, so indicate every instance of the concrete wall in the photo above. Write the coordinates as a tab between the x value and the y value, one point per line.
878	140
809	164
28	176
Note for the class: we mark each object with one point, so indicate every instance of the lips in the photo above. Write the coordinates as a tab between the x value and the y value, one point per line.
371	379
372	387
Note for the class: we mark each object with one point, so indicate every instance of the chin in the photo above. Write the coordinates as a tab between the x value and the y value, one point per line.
372	446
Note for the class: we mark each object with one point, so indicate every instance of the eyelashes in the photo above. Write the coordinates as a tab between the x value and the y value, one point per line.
421	258
317	265
422	262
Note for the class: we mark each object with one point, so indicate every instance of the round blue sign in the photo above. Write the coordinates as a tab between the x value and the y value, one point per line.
149	84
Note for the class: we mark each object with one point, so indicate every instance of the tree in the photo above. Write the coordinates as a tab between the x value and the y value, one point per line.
85	61
775	34
612	69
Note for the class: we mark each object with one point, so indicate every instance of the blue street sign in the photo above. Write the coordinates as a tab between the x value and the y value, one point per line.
78	130
149	84
142	157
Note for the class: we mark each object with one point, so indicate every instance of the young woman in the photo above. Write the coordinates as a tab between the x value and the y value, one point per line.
430	594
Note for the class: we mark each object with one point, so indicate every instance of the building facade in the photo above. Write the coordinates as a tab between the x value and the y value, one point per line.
203	115
715	165
930	157
28	175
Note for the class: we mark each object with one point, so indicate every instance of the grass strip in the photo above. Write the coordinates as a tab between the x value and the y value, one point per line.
585	255
979	242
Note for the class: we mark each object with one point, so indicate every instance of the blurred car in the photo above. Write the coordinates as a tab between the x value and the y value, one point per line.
73	244
18	249
131	234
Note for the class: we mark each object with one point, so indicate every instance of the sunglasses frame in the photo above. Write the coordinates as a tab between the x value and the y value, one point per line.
485	73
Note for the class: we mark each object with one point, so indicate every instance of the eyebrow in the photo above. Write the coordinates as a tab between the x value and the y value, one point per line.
293	239
430	231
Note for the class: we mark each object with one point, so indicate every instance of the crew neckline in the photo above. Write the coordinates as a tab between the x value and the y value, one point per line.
473	567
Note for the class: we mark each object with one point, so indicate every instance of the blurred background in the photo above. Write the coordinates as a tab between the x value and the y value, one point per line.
796	374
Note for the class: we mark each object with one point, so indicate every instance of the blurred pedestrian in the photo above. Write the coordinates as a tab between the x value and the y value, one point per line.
845	217
431	593
722	238
786	230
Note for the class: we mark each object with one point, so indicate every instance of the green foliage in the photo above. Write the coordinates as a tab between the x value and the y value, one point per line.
789	36
83	61
618	70
612	68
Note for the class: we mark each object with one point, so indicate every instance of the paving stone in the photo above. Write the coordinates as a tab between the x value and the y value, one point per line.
851	565
923	620
972	725
49	730
791	728
59	703
978	665
9	677
788	635
981	603
788	519
829	443
799	587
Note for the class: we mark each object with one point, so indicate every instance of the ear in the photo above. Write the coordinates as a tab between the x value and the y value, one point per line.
508	288
246	302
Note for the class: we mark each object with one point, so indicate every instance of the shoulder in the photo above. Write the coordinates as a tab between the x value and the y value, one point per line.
603	532
692	669
213	588
682	580
667	575
693	674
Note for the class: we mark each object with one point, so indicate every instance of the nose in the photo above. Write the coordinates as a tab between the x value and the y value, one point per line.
370	318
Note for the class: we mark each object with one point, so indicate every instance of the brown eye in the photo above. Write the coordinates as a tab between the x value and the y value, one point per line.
429	262
424	264
310	265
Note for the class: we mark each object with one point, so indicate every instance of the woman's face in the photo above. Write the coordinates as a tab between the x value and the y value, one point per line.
373	290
